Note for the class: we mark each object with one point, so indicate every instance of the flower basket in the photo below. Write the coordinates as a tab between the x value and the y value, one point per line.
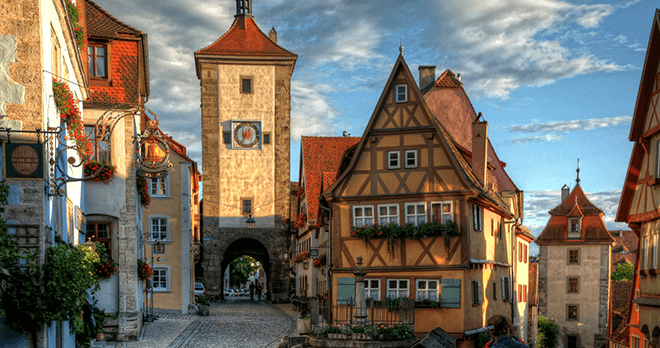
143	190
304	255
104	172
300	221
70	115
144	270
105	269
320	262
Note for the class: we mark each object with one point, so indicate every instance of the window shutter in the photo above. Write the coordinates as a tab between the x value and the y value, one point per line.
450	295
503	289
479	292
345	290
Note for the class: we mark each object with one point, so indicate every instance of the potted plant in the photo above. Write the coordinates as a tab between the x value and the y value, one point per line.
203	304
303	324
100	319
144	270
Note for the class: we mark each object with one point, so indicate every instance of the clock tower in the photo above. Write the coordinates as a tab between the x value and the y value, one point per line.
245	79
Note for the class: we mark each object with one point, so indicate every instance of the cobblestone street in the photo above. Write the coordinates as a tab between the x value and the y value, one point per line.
237	323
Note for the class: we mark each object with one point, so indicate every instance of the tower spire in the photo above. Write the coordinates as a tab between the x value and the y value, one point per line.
244	8
578	173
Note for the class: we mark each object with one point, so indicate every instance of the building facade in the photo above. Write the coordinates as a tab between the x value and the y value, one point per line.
245	78
574	270
406	174
169	220
37	47
116	63
638	205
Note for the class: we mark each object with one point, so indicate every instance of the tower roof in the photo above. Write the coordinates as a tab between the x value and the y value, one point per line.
244	38
576	205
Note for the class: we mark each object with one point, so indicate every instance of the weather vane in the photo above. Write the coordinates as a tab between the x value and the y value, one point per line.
401	46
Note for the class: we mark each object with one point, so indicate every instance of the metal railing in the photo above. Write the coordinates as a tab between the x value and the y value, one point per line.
379	320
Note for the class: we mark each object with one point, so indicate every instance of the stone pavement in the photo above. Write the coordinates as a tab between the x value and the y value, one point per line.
237	323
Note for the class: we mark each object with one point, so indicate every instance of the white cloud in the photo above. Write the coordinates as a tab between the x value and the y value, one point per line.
538	139
311	113
572	125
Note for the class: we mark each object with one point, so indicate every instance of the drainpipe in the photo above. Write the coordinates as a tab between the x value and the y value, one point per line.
324	205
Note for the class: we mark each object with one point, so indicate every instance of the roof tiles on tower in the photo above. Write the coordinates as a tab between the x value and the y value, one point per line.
244	38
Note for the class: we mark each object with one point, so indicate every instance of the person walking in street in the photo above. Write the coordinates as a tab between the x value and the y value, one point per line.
501	332
251	291
259	291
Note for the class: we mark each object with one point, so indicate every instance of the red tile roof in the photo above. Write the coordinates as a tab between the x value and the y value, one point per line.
244	38
321	157
620	292
625	247
124	74
102	24
448	79
593	228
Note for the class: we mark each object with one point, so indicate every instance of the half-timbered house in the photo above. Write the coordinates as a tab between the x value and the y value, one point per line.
424	216
640	198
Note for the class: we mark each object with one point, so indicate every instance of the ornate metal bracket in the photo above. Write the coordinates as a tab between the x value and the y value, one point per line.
152	148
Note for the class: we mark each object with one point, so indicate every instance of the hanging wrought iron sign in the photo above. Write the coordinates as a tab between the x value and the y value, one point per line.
24	161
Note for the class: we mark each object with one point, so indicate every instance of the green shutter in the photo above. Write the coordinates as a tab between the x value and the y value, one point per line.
345	291
450	294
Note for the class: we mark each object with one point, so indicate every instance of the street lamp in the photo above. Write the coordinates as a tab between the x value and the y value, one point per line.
250	222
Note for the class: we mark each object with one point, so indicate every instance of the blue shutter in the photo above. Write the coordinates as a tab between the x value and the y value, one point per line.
345	291
450	293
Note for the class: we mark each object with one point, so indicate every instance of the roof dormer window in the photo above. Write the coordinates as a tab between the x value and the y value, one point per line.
574	228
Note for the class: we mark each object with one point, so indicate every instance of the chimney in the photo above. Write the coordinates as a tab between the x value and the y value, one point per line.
458	76
564	193
273	35
480	148
426	76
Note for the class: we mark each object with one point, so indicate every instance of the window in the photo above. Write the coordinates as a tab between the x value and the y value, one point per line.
393	160
426	290
56	54
635	342
97	60
654	251
415	213
574	229
571	341
645	252
441	212
266	138
476	217
100	140
525	254
372	289
500	229
397	288
345	290
572	312
401	93
160	279
657	159
411	158
159	187
100	232
636	296
506	289
492	227
574	257
246	85
450	295
572	285
494	291
246	206
226	137
524	293
159	228
476	293
388	214
520	292
363	215
520	252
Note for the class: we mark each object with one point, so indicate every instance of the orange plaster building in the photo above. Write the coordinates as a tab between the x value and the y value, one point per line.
424	159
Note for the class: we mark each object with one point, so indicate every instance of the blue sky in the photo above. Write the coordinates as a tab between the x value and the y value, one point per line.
556	80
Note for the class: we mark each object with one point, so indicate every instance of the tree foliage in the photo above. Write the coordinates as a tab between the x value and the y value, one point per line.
548	333
37	295
624	271
241	268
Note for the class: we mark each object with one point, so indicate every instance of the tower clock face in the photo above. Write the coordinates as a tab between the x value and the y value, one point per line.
247	135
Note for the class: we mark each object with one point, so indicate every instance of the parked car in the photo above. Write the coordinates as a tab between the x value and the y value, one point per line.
200	290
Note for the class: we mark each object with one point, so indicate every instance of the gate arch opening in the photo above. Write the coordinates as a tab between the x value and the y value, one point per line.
255	249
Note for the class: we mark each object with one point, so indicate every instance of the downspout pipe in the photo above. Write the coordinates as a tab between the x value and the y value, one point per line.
324	205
